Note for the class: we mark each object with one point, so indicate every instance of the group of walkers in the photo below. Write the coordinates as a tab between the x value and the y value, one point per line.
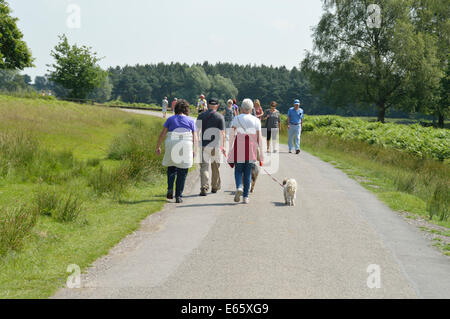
165	106
236	129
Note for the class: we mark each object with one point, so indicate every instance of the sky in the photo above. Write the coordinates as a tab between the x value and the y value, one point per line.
130	32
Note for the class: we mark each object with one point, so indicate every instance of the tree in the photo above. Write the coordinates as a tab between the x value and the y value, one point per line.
102	93
222	88
433	17
14	53
27	79
11	80
76	69
41	83
197	82
358	62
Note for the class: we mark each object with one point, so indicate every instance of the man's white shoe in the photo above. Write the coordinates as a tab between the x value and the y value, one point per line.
246	200
237	197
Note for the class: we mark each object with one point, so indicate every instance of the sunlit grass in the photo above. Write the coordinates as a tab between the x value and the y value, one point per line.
63	145
404	182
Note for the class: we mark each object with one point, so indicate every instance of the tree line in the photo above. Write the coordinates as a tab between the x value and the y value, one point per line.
390	54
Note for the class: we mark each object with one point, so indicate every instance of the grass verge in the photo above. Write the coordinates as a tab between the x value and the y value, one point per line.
419	187
74	181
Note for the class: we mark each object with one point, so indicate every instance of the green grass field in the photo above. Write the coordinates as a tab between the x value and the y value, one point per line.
69	188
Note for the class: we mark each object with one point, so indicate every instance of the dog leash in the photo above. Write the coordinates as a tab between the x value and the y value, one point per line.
270	175
273	178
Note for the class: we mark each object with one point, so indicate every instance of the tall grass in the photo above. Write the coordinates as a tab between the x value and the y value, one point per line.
28	94
62	208
137	148
109	181
427	179
15	226
68	209
53	156
17	151
438	205
22	158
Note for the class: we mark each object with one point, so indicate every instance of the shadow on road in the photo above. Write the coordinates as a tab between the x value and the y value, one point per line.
278	204
208	205
124	202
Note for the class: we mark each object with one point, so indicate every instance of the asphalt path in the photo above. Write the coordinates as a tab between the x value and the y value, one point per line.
339	241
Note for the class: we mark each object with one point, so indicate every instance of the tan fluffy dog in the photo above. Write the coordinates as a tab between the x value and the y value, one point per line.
290	191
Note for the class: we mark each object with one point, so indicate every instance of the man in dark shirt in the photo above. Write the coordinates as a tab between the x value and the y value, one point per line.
212	138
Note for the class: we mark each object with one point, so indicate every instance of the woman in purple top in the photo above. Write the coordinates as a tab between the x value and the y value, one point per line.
179	133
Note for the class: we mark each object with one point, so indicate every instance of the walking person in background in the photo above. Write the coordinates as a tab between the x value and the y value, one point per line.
212	139
257	110
179	133
228	115
174	102
246	147
165	106
295	125
272	125
202	105
235	108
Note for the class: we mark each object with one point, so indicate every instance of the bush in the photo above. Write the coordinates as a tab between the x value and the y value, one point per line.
48	202
414	139
15	225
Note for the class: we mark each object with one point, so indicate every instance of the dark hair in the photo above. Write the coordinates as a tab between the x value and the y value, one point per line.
182	107
274	104
234	101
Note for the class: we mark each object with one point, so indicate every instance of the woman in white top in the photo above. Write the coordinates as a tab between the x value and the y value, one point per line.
246	147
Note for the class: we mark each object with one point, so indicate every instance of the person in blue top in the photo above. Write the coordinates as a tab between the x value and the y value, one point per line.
295	125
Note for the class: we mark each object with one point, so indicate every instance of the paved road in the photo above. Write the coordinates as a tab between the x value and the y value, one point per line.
213	248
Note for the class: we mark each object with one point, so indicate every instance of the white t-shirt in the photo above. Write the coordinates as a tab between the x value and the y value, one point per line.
246	124
165	104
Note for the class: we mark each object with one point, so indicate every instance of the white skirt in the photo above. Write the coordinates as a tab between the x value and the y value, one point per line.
179	150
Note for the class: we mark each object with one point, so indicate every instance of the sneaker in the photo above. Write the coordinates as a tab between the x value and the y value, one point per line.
297	152
290	151
179	200
246	200
214	191
169	195
237	197
203	193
